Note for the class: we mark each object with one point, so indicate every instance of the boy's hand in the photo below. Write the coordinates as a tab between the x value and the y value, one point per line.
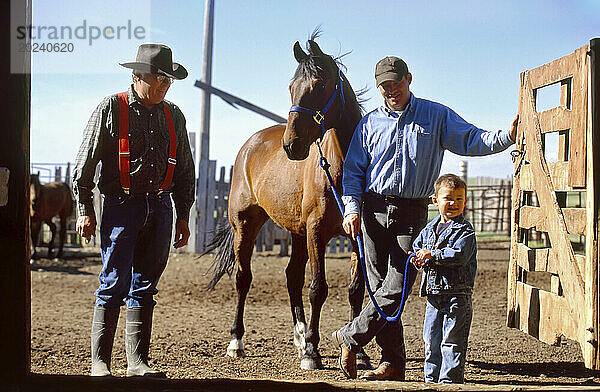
422	257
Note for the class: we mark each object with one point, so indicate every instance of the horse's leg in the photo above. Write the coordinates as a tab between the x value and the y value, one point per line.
36	225
295	282
318	290
61	236
53	231
246	230
356	293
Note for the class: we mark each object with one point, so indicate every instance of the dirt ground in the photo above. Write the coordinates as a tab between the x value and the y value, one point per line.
190	333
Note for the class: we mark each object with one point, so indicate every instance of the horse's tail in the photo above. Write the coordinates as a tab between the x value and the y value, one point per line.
224	259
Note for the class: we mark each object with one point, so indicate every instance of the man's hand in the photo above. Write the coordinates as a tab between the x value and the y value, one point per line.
182	233
86	226
351	225
513	129
422	257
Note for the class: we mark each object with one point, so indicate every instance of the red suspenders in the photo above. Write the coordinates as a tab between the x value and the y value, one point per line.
124	144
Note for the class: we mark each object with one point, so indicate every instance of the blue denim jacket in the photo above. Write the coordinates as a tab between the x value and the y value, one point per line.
454	264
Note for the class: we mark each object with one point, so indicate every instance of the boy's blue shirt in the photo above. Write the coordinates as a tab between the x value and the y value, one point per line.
454	265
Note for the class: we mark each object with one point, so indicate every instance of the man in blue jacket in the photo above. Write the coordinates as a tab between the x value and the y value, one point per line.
393	160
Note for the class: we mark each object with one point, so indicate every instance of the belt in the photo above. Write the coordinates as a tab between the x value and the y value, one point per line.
153	193
141	194
397	200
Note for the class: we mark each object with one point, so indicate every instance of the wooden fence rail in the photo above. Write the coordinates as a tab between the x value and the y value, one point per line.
488	209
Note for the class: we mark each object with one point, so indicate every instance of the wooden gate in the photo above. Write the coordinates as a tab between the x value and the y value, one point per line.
553	271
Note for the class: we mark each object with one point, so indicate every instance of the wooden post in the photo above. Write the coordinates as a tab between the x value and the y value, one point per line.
68	174
57	173
593	197
499	210
284	245
513	270
203	164
15	279
333	246
210	201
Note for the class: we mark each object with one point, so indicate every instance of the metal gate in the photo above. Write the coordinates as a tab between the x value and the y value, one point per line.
553	271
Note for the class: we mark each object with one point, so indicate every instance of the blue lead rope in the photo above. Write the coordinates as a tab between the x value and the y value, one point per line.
325	165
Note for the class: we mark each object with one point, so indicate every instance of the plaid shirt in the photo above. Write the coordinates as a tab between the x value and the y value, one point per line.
149	151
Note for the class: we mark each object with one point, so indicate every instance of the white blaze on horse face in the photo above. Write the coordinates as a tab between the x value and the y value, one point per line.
236	348
300	338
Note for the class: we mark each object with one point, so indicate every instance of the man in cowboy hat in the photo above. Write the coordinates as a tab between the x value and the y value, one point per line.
142	142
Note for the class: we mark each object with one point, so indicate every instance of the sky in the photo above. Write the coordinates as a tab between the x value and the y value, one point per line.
465	54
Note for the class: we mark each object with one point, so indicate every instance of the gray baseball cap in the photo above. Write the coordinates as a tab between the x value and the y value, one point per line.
390	68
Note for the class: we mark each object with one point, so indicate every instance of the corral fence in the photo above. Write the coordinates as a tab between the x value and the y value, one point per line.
488	205
553	270
488	209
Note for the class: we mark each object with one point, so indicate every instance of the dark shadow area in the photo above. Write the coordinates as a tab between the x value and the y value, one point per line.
72	262
542	370
46	383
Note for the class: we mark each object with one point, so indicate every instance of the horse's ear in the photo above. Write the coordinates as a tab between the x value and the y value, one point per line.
314	48
299	54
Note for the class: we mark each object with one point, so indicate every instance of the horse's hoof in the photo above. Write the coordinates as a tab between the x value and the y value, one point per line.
363	362
236	349
235	353
308	363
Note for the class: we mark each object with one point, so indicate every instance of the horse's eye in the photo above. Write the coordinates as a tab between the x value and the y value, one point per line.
318	87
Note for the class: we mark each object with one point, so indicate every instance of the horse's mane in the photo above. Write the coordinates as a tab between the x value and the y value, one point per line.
308	69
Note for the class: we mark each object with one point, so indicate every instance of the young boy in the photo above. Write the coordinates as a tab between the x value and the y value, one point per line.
447	250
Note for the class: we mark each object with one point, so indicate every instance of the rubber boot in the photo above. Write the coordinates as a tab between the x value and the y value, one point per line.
137	342
104	325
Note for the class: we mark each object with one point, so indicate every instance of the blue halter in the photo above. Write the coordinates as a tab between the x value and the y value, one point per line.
319	115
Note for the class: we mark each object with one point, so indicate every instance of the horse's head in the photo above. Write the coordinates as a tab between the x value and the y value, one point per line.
316	92
34	193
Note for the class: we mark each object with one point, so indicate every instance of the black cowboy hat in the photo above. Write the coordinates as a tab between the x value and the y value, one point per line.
157	59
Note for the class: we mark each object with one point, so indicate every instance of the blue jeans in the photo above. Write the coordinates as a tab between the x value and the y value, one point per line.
135	235
388	231
446	335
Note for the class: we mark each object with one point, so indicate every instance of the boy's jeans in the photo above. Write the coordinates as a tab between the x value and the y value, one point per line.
135	236
446	335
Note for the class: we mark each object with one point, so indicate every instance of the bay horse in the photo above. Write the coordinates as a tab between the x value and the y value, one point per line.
297	196
46	202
